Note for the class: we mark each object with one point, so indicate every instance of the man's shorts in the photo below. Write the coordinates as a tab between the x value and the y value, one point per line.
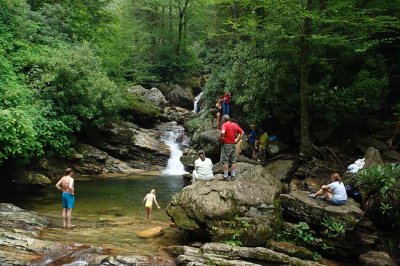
68	200
228	154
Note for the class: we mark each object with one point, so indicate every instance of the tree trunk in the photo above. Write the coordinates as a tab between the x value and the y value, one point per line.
182	8
305	139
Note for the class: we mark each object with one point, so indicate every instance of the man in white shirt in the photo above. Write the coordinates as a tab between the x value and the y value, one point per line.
202	168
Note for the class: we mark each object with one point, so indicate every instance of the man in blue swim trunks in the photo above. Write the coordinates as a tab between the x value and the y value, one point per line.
66	185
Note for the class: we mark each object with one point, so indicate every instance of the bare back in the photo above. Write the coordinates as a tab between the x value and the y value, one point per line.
66	184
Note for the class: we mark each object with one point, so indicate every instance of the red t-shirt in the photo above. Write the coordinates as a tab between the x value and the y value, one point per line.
226	98
231	130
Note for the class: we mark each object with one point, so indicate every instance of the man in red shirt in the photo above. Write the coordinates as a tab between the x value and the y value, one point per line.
231	134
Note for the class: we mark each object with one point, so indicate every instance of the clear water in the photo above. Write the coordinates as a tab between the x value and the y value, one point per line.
109	211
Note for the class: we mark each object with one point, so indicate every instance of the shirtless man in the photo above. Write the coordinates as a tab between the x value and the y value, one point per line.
66	185
149	198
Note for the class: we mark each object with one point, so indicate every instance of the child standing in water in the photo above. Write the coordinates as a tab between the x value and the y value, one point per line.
150	197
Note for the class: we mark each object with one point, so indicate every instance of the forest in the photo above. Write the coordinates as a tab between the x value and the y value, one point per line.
299	66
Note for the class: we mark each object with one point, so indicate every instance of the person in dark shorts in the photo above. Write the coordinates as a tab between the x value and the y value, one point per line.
231	134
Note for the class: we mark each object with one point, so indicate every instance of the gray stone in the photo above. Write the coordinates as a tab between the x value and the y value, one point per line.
248	207
181	97
297	205
376	258
32	179
281	169
153	95
222	254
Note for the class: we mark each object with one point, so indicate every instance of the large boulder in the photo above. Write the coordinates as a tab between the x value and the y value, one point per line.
246	209
94	161
181	97
31	180
298	206
153	95
140	148
281	169
209	142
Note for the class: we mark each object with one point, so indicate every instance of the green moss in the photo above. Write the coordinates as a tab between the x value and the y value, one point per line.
181	220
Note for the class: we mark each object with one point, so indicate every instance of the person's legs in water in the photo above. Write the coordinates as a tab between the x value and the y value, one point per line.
149	211
64	217
69	217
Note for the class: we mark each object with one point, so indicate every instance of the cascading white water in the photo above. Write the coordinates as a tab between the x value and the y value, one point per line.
174	135
196	100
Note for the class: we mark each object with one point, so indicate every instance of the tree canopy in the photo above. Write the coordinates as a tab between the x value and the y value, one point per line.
301	65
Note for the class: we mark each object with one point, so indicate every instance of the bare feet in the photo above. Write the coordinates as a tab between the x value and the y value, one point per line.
71	226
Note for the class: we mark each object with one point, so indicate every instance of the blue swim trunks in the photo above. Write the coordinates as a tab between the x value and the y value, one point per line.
68	200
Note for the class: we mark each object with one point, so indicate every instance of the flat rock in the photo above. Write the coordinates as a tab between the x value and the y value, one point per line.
297	205
151	233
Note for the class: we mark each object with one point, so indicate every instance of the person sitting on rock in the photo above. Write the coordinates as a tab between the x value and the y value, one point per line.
335	192
202	168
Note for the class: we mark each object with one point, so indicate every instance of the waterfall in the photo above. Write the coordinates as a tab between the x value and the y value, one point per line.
174	136
196	100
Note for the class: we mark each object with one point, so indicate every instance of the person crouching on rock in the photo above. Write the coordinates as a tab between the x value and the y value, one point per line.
334	192
202	168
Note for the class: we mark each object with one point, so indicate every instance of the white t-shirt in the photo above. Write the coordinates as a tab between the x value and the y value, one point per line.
204	168
338	190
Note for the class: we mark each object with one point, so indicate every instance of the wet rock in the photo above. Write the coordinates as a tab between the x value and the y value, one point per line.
176	113
291	250
151	233
103	260
247	207
297	205
222	254
188	162
18	232
376	258
95	161
139	148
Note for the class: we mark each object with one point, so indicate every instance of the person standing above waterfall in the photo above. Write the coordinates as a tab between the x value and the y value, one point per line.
149	198
226	100
231	134
202	168
66	185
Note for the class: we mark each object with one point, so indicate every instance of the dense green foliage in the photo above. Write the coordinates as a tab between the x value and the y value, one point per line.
380	188
348	60
63	64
